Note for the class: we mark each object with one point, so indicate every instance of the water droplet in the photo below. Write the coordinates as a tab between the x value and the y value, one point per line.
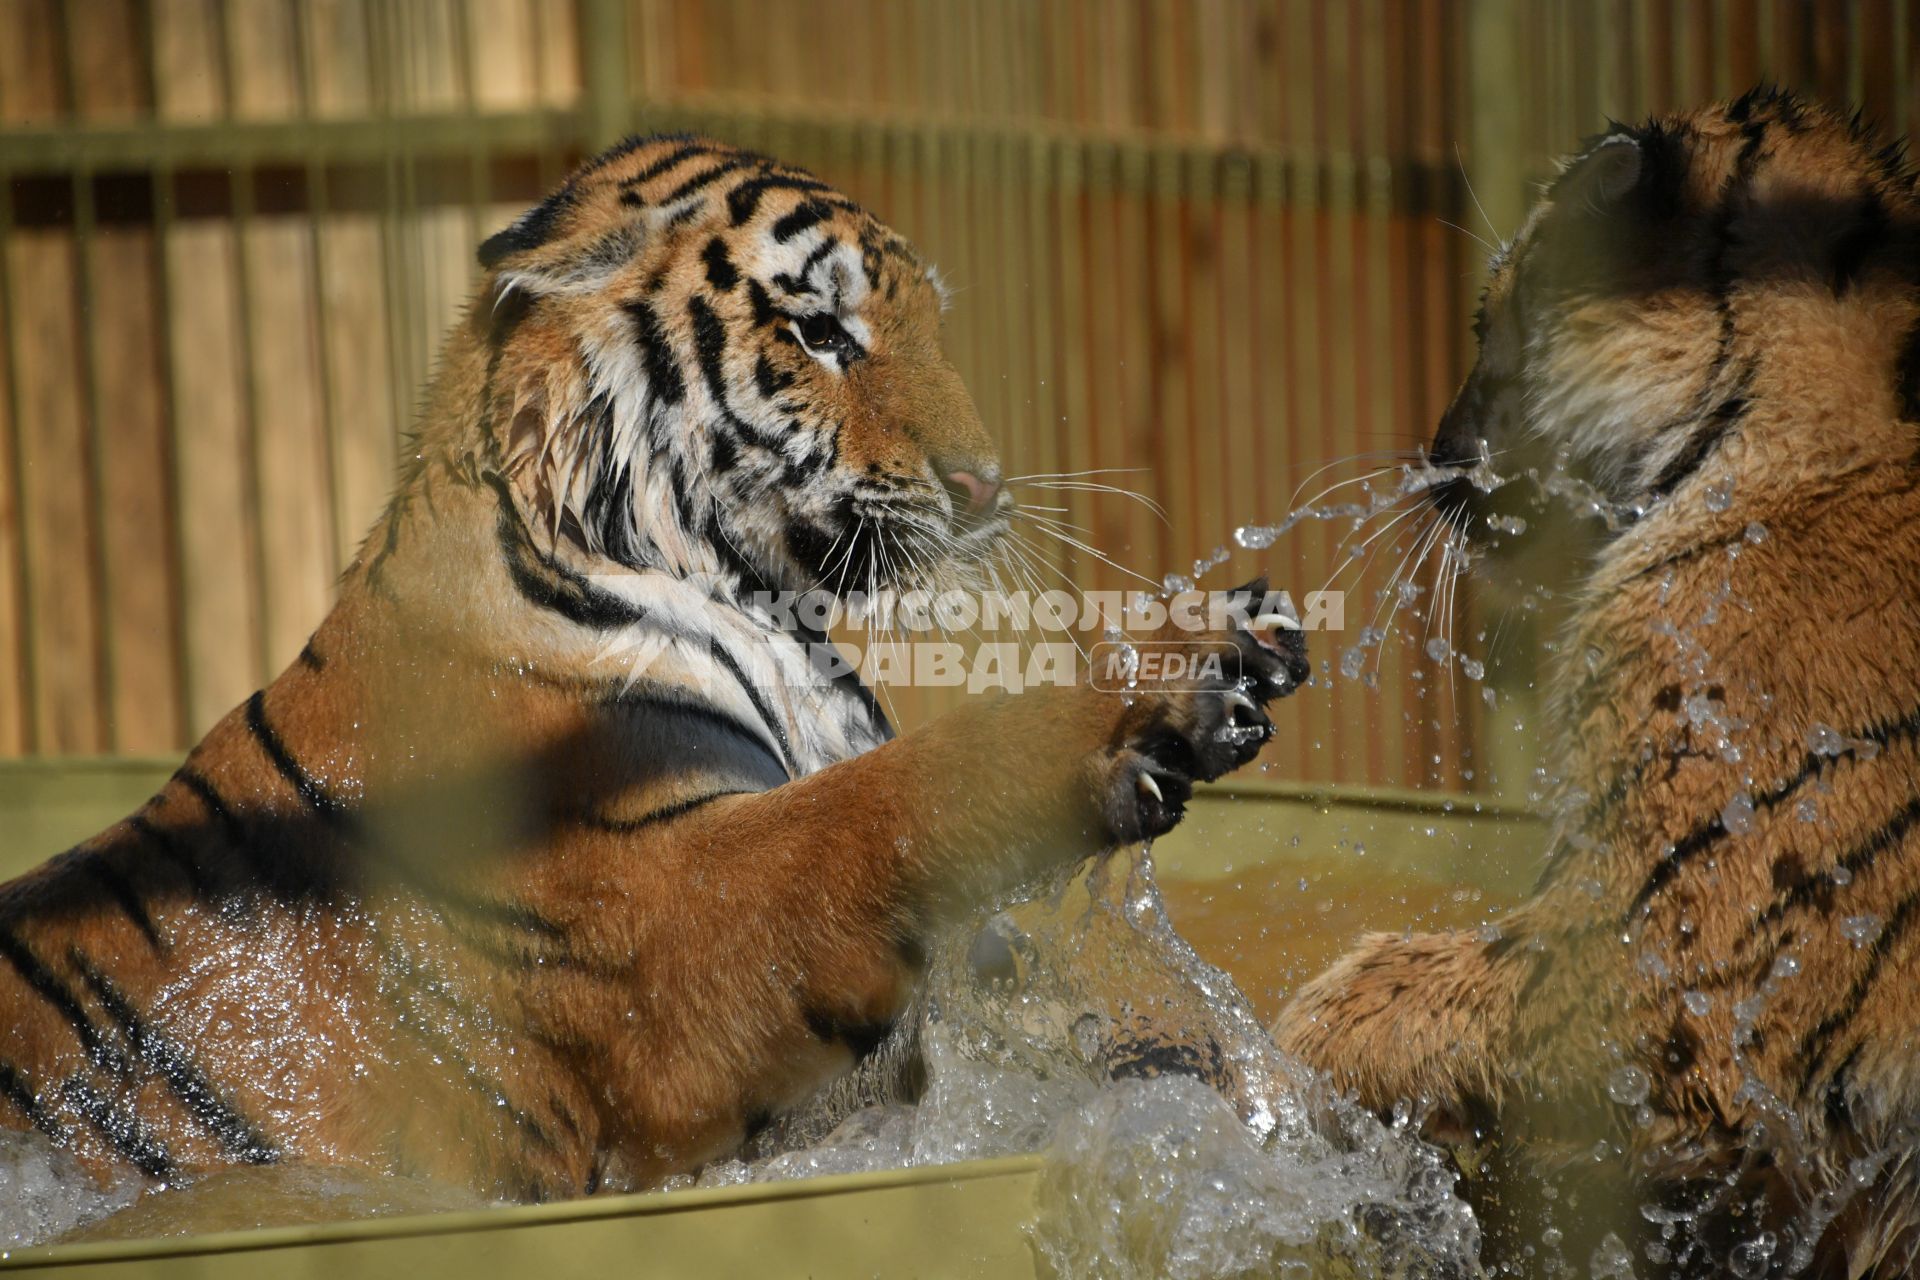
1472	668
1737	817
1353	662
1720	494
1824	740
1629	1086
1437	649
1749	1258
1786	966
1697	1002
1255	537
1756	532
1610	1260
1860	930
1807	810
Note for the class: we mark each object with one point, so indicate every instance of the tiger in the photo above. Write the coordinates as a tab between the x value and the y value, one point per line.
556	862
1701	356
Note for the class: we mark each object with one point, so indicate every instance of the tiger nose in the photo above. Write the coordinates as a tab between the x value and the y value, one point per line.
975	492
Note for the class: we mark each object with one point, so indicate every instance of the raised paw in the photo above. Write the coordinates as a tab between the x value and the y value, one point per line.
1194	708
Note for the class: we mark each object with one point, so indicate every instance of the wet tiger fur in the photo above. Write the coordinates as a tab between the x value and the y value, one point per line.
1709	331
471	893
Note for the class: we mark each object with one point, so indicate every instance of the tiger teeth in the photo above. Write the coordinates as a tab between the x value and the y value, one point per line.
1235	698
1271	621
1148	787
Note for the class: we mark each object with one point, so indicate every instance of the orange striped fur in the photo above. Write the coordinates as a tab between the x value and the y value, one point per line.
1712	325
464	894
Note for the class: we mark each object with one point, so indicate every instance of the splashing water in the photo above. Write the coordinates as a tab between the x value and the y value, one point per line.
1411	481
1076	1025
44	1193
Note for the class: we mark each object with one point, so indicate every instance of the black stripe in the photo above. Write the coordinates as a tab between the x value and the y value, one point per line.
1706	437
1808	889
310	790
760	705
1839	1110
666	162
101	867
311	659
1815	1045
861	1037
808	214
123	1131
170	849
50	988
769	381
1719	410
216	807
665	382
529	231
746	573
508	312
764	312
782	769
763	308
665	814
797	284
15	1089
1881	733
705	178
1906	376
710	347
548	585
1852	248
232	1130
610	517
744	200
721	273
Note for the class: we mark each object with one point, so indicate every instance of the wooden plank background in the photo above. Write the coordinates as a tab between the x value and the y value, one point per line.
1221	241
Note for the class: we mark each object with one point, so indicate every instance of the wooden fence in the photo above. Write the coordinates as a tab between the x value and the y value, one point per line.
1221	240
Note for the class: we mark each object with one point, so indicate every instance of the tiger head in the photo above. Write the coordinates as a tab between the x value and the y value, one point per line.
1680	282
703	360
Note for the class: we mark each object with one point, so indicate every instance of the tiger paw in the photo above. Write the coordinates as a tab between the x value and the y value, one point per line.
1193	708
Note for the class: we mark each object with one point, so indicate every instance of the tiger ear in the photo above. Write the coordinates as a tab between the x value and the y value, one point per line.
537	255
1626	169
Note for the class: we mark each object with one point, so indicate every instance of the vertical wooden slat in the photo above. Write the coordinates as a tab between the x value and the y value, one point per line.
1130	288
56	521
19	733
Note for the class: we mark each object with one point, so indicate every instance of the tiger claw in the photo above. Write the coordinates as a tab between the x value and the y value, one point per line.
1148	787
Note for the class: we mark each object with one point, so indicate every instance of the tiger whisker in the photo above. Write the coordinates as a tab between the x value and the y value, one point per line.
1079	545
1089	486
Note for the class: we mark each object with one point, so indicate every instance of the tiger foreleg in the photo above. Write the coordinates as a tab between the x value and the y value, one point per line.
820	891
1422	1019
